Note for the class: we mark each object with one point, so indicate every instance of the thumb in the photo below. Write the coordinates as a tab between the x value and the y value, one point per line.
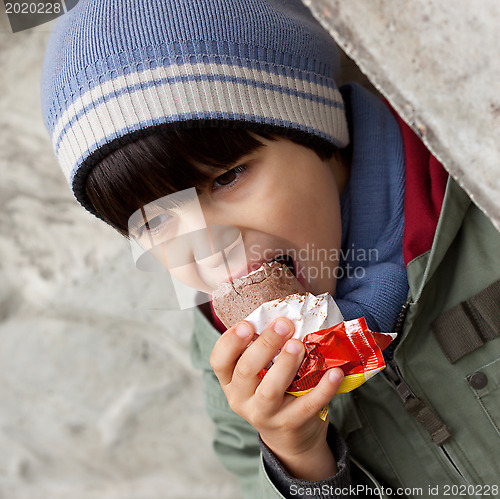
322	393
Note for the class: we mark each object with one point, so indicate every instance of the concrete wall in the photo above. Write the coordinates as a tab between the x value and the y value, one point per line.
98	399
438	65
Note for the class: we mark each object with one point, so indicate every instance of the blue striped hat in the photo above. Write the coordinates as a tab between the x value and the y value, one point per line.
116	69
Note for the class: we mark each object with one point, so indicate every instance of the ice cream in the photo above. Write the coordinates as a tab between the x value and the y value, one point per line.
234	301
273	291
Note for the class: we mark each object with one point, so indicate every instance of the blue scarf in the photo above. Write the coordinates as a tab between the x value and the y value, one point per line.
372	275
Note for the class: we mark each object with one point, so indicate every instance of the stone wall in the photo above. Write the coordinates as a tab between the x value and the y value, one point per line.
98	398
438	65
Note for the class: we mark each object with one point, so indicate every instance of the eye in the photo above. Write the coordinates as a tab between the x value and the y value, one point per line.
155	224
229	177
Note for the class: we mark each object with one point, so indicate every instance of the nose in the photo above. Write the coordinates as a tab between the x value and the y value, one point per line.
190	237
225	239
217	250
203	236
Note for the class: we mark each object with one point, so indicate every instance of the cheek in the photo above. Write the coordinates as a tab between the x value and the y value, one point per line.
315	211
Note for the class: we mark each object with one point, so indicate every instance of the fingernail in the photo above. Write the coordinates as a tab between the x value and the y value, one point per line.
335	375
282	327
243	330
293	347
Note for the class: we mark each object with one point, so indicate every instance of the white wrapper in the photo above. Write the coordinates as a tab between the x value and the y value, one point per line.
308	313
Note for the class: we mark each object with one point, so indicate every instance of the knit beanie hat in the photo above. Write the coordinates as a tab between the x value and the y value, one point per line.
116	69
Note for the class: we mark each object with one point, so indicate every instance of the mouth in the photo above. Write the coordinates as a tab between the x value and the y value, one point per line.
285	260
282	260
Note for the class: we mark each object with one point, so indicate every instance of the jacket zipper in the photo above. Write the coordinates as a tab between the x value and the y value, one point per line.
393	374
455	467
398	329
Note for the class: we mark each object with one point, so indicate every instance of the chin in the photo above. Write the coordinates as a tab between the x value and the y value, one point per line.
320	287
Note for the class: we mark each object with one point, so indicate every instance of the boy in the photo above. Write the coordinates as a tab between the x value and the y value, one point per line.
238	99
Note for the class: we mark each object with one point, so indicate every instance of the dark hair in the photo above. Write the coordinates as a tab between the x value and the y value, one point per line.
159	164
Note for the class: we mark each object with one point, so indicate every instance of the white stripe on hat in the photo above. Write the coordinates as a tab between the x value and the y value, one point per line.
119	84
130	102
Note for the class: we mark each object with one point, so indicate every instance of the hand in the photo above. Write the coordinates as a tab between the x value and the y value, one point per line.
288	425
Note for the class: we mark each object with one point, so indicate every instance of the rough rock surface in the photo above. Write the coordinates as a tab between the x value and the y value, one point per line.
97	394
438	65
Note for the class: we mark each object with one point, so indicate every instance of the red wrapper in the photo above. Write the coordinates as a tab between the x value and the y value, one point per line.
349	345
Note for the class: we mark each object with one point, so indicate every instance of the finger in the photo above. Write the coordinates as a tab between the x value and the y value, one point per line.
228	350
272	388
308	405
260	353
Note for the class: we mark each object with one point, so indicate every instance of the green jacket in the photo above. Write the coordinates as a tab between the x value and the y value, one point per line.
385	440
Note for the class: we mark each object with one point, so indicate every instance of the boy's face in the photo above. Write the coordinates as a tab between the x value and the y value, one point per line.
284	200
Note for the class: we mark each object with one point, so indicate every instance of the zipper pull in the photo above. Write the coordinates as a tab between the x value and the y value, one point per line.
425	415
393	374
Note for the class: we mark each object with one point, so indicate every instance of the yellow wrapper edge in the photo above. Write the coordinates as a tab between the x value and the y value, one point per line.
349	383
